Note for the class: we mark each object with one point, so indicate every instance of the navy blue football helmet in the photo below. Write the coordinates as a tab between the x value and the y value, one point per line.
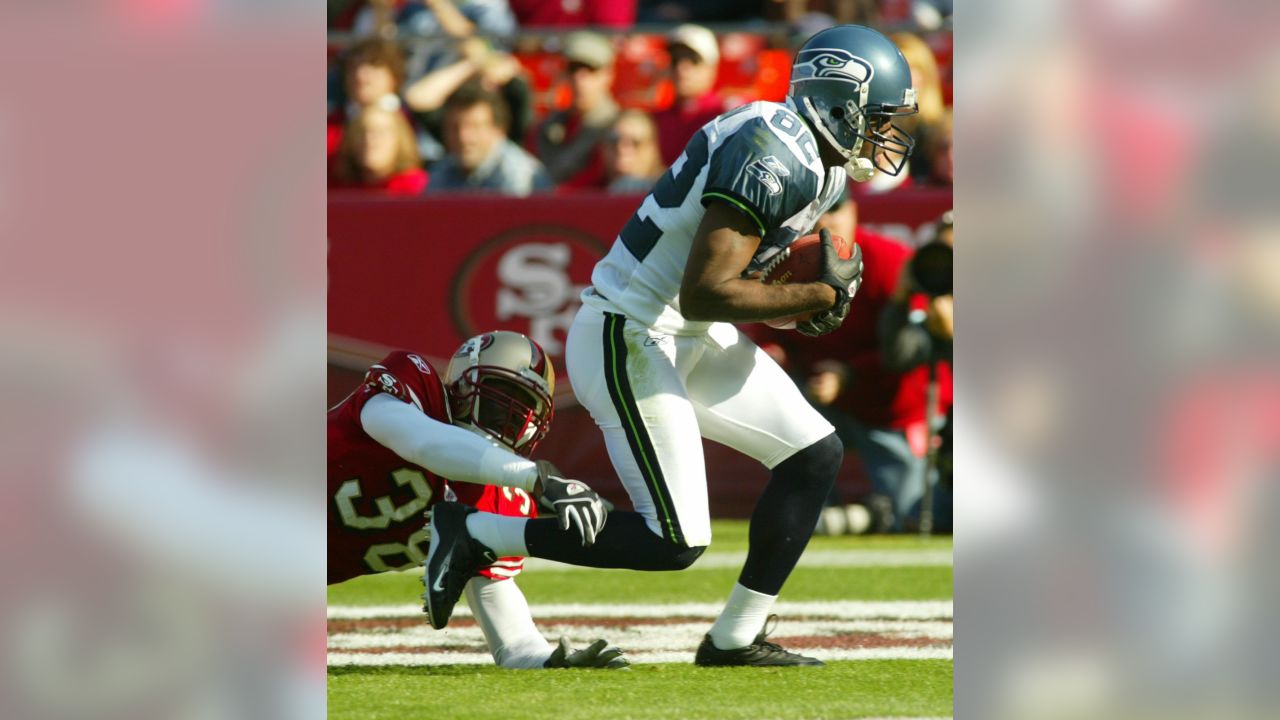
849	82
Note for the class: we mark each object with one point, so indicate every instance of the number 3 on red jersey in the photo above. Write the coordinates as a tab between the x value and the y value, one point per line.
380	557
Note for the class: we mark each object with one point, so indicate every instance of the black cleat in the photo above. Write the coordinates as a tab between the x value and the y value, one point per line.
452	560
760	653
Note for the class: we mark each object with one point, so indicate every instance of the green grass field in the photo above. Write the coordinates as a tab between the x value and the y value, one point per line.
903	666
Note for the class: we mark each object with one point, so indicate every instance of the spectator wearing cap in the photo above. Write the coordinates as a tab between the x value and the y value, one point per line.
378	152
569	140
695	60
480	155
574	13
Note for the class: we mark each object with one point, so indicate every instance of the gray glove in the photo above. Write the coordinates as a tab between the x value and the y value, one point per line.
599	654
574	504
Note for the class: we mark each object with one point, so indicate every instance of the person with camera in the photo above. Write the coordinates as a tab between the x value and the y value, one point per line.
916	330
878	411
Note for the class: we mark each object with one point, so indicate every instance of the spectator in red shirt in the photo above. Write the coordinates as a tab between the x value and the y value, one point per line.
695	60
568	142
574	13
378	152
372	71
916	331
878	412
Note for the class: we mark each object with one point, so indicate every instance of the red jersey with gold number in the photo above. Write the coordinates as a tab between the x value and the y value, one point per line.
377	499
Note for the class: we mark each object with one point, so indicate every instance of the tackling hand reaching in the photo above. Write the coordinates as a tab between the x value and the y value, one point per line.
574	504
599	654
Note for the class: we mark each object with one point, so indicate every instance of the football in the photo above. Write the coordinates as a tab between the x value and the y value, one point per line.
800	262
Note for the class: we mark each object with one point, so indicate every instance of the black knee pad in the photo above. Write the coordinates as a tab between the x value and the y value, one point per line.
817	464
828	452
686	557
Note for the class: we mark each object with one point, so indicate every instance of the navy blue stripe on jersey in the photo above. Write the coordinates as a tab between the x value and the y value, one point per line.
641	233
615	372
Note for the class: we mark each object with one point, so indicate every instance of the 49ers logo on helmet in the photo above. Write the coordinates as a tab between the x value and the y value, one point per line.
528	280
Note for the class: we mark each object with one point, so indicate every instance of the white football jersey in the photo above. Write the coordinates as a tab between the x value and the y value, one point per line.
762	158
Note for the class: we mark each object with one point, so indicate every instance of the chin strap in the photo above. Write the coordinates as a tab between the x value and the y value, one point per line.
859	168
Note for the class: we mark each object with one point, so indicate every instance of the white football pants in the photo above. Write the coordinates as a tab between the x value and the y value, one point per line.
656	396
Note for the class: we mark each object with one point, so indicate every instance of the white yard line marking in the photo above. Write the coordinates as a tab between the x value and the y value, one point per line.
670	656
836	609
842	630
639	636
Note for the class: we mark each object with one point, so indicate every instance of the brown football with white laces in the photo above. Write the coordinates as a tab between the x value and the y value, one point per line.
800	262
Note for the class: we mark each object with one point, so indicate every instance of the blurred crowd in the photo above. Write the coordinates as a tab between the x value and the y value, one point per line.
516	97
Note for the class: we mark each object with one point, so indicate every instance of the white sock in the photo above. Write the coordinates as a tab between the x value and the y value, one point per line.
742	618
500	533
503	615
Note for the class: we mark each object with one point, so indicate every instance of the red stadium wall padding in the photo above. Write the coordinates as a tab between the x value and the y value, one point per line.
425	274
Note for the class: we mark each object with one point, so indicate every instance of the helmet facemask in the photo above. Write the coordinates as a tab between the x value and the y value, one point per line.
500	386
503	405
846	127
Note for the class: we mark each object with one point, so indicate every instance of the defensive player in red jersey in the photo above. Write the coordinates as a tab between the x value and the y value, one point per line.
408	438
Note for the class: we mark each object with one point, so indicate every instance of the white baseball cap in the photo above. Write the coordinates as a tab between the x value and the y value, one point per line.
698	39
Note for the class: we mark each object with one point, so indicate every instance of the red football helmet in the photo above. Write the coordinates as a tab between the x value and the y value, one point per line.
501	385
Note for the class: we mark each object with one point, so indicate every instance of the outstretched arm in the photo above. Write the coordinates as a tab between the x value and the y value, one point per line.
444	449
457	454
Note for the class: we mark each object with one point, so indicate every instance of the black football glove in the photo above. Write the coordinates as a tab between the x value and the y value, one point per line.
600	654
575	504
844	276
825	321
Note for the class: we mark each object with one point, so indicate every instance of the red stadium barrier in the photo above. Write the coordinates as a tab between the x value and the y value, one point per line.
424	274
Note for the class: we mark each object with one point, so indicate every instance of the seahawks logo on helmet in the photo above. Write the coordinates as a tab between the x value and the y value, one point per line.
831	64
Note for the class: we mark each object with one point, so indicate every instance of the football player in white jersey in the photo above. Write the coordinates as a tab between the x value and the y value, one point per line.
655	358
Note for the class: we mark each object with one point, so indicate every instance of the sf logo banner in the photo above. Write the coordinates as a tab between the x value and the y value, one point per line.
526	280
536	287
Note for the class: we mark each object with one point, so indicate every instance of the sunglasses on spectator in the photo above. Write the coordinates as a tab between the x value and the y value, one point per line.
629	140
679	53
